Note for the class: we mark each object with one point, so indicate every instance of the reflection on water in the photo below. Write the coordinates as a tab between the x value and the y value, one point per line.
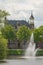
38	59
29	61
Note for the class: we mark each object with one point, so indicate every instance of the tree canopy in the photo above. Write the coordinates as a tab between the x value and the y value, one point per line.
3	13
23	33
38	34
9	32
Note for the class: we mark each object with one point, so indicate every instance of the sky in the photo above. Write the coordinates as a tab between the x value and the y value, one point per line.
21	9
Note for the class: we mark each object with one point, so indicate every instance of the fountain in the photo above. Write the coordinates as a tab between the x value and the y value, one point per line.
31	51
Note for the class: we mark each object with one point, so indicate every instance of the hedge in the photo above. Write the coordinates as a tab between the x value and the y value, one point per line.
39	52
15	52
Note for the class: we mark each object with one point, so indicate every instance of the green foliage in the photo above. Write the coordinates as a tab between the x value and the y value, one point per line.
39	52
9	32
23	33
3	13
38	34
15	52
3	48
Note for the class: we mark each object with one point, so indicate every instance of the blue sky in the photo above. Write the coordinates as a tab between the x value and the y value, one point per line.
21	9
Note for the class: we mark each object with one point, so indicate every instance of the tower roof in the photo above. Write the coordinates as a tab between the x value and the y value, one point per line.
31	17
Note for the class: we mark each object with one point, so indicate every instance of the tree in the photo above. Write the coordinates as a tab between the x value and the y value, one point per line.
38	35
9	32
23	33
3	47
3	20
3	13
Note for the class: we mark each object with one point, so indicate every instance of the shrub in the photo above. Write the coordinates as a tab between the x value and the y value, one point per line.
3	47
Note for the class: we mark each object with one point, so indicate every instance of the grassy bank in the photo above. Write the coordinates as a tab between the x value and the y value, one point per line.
15	52
20	52
39	52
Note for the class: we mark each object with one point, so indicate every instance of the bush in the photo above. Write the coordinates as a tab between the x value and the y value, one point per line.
3	47
15	52
39	52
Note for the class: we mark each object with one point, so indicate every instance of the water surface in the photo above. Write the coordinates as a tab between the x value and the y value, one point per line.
29	61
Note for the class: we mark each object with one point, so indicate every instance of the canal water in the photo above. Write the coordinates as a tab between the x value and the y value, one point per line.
23	61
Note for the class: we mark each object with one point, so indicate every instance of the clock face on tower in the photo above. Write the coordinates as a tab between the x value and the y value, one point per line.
31	21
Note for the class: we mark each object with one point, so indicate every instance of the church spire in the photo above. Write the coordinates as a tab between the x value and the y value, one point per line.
31	17
31	21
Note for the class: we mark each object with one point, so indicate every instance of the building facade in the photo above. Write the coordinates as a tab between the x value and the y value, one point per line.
17	23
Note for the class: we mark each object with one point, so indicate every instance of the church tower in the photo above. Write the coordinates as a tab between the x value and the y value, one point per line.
31	20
